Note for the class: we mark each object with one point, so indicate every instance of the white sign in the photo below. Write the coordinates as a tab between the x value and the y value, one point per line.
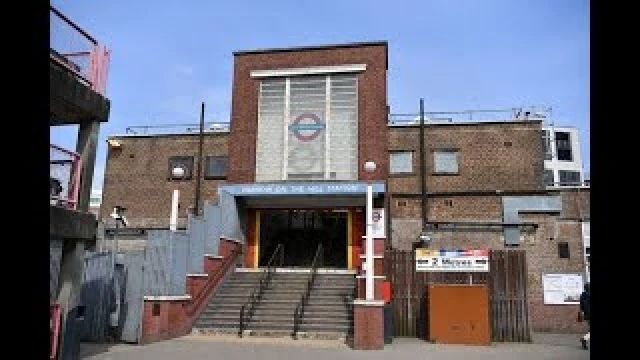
378	223
562	289
452	260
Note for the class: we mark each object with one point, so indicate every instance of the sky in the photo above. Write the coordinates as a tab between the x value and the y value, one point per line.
169	56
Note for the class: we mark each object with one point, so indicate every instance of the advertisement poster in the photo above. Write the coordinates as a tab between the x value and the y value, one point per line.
452	260
562	289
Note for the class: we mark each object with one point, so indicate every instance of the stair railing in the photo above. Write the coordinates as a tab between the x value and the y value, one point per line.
246	312
297	316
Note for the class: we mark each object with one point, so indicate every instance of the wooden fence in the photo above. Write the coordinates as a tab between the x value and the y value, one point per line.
507	284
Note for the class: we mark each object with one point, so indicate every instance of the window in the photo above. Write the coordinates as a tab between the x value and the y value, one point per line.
563	146
308	128
569	177
563	250
155	310
546	144
445	162
401	162
548	177
180	167
216	167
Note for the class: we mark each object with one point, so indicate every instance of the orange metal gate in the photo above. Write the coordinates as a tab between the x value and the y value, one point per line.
506	281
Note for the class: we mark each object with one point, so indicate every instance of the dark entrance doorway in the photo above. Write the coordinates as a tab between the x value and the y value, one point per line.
300	232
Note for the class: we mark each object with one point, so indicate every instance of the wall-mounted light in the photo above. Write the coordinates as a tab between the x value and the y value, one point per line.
177	172
113	143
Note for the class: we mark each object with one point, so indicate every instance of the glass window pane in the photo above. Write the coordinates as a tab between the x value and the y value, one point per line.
401	162
446	162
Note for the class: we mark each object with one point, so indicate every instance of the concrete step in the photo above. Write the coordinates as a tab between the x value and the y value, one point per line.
210	323
325	328
325	321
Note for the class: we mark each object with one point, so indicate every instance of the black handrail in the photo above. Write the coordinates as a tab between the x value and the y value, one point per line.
297	316
246	312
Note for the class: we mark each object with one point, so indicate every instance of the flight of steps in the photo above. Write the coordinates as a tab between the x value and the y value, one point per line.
327	314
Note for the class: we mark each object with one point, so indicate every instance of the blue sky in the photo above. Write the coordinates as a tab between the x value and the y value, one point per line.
168	56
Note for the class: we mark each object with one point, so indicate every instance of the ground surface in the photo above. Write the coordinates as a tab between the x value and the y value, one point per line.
545	346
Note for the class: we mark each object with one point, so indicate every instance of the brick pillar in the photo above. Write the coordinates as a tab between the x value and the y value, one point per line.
368	325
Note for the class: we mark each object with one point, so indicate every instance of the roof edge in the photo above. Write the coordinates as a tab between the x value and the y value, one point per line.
384	43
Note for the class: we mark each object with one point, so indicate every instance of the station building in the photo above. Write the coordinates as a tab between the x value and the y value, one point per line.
304	121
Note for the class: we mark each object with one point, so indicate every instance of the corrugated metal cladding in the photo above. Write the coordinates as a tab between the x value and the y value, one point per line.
308	128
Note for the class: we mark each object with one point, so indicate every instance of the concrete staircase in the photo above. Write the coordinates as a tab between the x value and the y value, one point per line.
327	314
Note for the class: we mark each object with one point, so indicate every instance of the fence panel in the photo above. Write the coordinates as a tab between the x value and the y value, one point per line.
178	263
133	299
156	263
197	229
213	229
97	295
506	281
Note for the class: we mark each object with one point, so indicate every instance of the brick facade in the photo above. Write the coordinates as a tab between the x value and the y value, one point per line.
543	258
372	102
504	156
137	177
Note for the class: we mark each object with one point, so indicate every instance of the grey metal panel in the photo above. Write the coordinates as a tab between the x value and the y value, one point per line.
133	299
156	263
178	263
230	221
196	245
213	223
512	205
55	259
97	295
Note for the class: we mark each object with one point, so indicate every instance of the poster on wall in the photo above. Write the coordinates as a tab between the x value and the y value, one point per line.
378	223
459	260
562	289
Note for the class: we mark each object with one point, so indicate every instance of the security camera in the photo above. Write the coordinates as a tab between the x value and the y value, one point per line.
118	215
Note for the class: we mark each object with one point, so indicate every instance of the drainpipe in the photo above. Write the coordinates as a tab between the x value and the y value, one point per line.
423	185
196	210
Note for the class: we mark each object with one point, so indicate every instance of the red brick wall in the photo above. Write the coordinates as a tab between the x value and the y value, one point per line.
372	103
368	327
177	316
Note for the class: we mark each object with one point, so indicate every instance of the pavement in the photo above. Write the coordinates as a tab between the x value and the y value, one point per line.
192	347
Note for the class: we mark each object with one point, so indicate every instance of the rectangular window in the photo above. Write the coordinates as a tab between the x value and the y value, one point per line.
216	167
569	177
546	144
563	146
548	177
308	128
401	162
445	162
155	310
180	167
563	250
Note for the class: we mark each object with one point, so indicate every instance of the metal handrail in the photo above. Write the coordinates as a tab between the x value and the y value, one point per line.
246	312
297	316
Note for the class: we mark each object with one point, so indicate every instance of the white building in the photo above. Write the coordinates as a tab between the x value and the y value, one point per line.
563	159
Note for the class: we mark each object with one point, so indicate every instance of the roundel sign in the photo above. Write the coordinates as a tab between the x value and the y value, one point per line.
306	127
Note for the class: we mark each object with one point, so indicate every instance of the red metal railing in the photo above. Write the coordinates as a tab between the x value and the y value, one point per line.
54	329
77	51
64	173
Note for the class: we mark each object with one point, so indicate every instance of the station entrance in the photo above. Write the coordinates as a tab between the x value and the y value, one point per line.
300	231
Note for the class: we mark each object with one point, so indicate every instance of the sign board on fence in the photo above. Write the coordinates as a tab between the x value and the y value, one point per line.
378	223
452	260
562	289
